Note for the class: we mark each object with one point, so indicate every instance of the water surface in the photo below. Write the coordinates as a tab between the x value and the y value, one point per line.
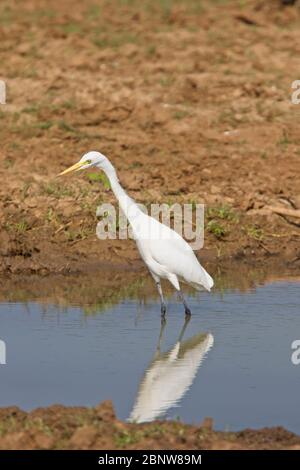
232	361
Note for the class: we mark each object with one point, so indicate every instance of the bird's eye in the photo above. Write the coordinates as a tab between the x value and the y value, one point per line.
88	162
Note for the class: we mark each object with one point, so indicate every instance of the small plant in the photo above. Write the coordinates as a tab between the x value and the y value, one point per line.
69	104
77	235
71	28
64	126
57	191
264	155
284	141
21	226
222	212
180	114
44	125
100	177
93	12
135	165
33	109
25	189
49	215
126	438
39	424
167	81
115	41
255	232
151	50
8	163
216	228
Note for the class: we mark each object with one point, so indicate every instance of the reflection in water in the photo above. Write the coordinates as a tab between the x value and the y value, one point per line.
170	375
57	355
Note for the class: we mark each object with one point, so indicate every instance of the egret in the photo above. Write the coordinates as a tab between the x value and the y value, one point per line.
166	254
170	375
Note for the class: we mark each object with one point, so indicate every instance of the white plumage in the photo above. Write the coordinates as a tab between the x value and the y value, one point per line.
169	376
166	254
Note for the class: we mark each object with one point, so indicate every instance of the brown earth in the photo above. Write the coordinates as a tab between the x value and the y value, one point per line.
60	427
97	291
190	100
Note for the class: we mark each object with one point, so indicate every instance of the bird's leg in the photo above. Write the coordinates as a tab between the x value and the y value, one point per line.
186	307
162	327
186	321
163	307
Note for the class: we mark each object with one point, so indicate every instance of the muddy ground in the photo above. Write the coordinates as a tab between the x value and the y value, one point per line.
191	100
59	427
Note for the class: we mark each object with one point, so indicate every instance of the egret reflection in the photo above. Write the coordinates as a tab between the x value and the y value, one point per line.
170	375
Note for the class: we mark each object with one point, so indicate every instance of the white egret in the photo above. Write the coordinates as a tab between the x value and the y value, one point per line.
170	375
166	254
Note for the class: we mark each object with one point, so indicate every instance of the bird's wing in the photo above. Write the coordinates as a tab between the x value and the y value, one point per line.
169	249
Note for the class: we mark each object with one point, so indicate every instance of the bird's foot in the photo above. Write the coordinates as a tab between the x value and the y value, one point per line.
163	310
188	313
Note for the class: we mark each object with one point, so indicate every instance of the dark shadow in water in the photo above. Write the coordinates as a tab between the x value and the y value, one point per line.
170	374
100	291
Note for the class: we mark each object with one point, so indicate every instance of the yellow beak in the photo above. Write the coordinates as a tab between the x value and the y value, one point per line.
75	167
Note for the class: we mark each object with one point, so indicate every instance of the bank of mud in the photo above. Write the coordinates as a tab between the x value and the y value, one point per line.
192	105
60	427
100	289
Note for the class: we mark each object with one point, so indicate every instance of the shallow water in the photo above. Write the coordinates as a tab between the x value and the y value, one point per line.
232	362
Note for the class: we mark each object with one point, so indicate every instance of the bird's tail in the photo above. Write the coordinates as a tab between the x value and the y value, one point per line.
203	280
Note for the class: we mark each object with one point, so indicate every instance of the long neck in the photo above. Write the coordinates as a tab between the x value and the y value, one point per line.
128	206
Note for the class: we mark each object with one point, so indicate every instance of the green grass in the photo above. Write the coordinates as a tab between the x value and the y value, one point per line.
255	232
29	72
167	80
20	227
180	114
9	425
38	424
25	189
219	219
69	104
126	438
284	141
99	177
45	13
32	109
115	41
8	163
221	212
76	235
93	12
72	28
57	190
217	229
151	50
6	16
44	125
64	126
